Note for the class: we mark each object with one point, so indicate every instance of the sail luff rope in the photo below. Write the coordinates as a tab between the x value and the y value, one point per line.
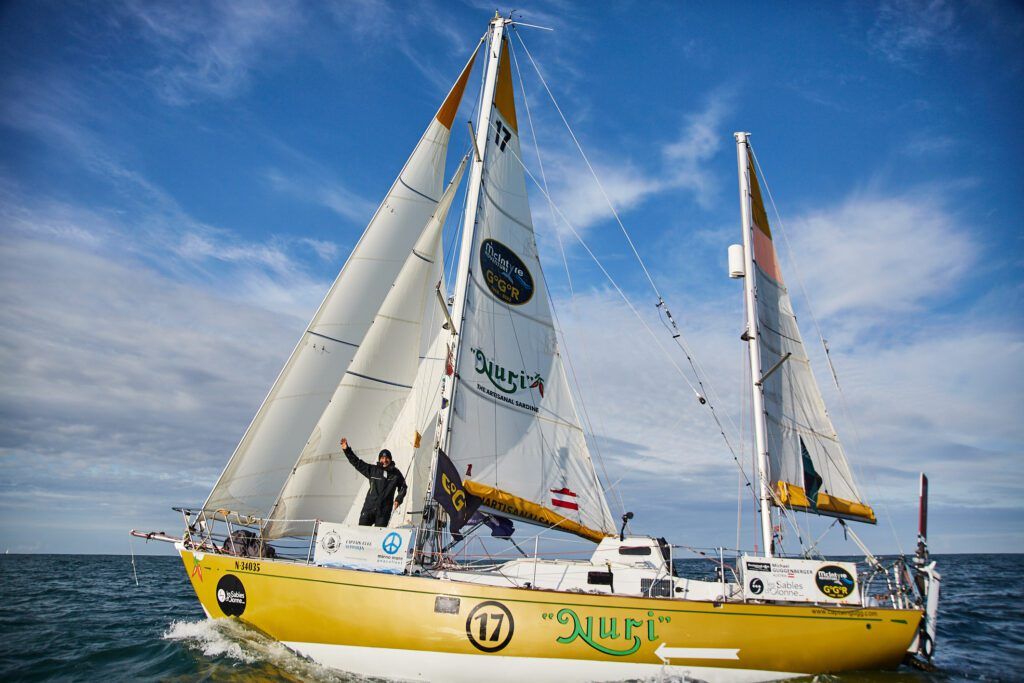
572	293
674	329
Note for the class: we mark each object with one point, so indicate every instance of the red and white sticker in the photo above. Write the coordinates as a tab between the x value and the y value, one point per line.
564	498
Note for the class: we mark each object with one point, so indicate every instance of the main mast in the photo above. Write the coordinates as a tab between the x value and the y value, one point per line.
497	33
752	337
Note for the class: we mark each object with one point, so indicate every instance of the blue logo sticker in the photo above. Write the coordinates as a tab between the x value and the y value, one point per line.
392	543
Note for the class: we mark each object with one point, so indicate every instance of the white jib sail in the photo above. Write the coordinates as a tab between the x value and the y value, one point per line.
323	484
412	436
796	419
514	426
253	477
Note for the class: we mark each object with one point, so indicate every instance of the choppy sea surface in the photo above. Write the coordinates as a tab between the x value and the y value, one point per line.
82	618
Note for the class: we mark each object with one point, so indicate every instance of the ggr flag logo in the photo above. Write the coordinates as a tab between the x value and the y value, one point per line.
450	494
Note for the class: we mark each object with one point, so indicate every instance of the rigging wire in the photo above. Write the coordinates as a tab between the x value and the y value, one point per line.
703	395
702	398
629	304
572	294
661	305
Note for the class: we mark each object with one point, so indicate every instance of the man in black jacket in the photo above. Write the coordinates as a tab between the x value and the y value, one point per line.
385	482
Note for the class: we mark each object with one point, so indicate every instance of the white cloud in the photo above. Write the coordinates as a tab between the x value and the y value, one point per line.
904	29
684	167
314	186
878	255
211	50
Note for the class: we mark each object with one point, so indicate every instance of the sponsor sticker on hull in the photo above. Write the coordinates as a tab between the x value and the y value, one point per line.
231	595
793	580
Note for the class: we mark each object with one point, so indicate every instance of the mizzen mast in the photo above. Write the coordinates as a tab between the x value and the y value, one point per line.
751	336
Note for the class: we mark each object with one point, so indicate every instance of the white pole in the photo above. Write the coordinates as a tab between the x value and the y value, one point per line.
469	221
443	440
753	345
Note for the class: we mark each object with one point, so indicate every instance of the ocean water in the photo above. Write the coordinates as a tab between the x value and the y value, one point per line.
82	618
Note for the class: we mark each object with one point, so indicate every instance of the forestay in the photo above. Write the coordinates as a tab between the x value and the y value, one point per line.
257	470
514	426
323	484
808	467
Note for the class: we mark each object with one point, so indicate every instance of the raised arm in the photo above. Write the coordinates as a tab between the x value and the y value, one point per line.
362	467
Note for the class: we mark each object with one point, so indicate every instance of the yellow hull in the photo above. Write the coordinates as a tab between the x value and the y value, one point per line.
333	614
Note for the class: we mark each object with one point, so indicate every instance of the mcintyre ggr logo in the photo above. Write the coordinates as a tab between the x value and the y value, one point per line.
505	380
507	277
834	581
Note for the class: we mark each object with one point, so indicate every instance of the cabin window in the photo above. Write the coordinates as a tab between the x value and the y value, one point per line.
599	578
635	550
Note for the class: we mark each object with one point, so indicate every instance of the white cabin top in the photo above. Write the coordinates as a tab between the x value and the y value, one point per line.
635	551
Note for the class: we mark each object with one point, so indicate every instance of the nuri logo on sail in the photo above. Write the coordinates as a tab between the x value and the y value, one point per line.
508	381
505	273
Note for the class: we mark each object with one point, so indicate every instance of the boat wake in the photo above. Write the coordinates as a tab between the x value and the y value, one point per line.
230	639
221	638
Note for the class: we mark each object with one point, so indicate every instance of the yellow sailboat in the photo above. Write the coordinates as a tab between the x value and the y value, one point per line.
470	396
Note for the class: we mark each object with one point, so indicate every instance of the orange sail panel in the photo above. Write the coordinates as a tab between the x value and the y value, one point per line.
509	504
764	249
446	114
504	100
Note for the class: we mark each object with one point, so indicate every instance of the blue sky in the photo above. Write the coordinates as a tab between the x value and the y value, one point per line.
179	183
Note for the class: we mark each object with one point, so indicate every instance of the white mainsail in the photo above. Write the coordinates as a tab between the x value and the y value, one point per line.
323	484
807	464
514	429
263	459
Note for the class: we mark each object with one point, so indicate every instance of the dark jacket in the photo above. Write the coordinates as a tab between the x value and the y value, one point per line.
386	486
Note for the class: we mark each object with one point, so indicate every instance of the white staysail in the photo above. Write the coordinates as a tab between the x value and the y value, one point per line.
513	428
323	484
253	477
807	465
412	436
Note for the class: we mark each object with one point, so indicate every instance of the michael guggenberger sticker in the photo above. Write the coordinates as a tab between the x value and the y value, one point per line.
505	273
490	626
231	595
835	582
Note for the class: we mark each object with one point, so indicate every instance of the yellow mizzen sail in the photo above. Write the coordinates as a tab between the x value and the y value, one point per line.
794	497
510	504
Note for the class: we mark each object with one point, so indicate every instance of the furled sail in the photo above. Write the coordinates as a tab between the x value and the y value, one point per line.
323	484
514	428
808	467
253	477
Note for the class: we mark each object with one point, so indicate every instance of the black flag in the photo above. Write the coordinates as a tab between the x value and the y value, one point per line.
812	480
450	494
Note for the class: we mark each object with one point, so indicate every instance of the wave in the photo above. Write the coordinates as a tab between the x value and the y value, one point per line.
265	658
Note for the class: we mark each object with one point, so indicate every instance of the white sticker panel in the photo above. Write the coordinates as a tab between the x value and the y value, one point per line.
775	578
368	548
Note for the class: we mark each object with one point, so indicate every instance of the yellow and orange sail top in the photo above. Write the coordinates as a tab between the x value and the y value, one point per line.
808	468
